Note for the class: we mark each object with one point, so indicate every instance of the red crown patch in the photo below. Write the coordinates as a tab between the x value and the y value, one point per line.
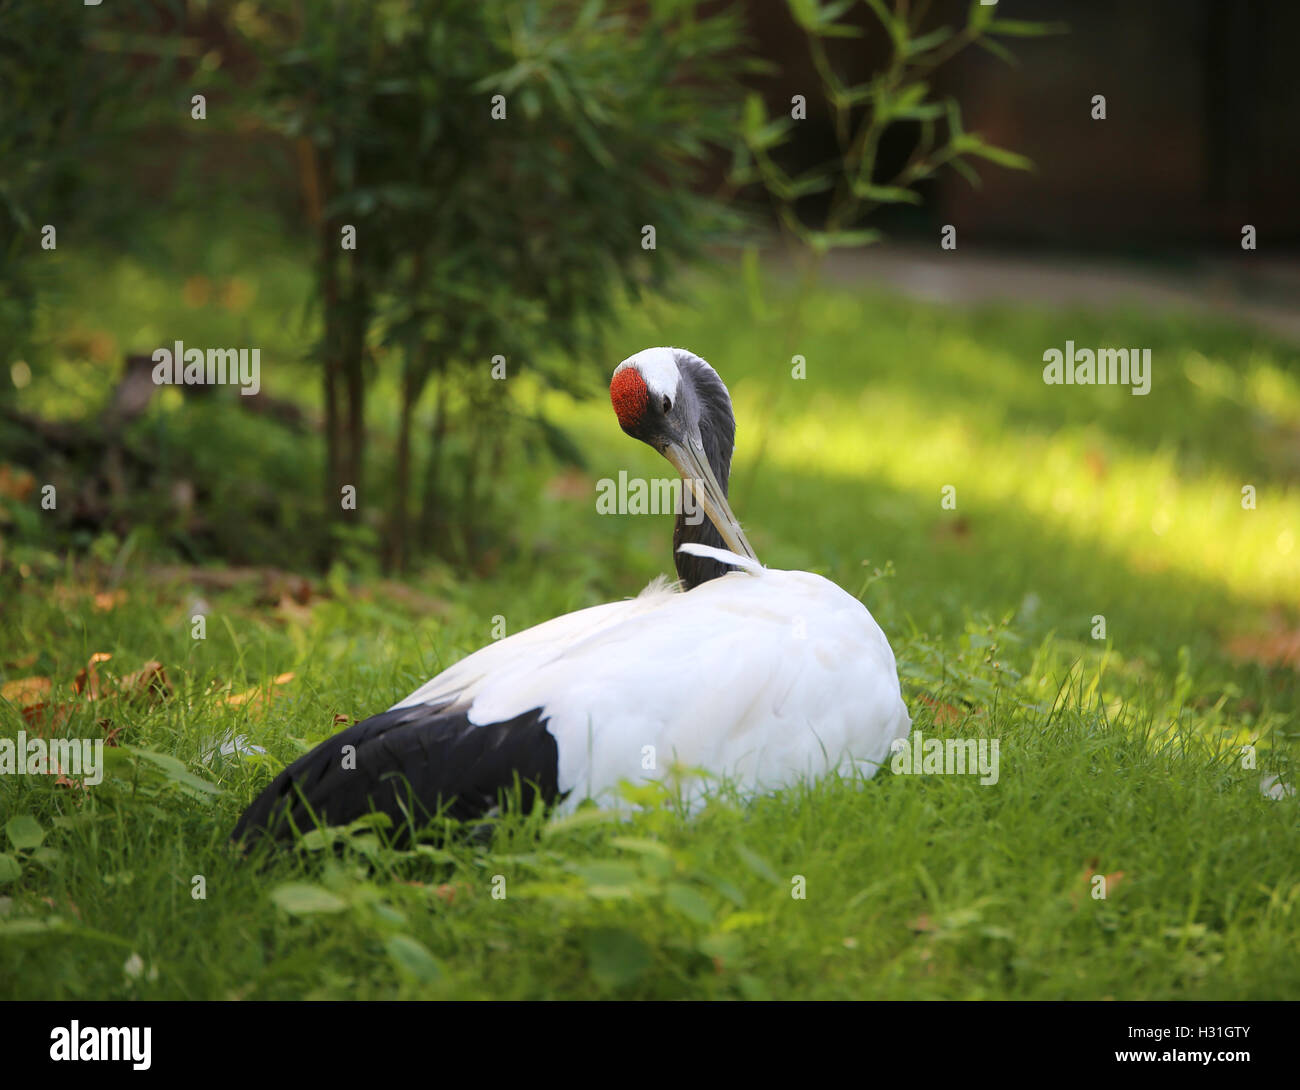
629	396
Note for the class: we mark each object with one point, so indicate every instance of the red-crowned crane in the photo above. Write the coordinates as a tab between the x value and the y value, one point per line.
763	677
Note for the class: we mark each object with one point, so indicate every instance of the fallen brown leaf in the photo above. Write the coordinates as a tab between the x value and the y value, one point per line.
47	715
278	586
25	690
235	294
1278	647
943	713
955	529
41	715
196	291
292	610
447	891
106	600
255	699
403	595
16	484
88	678
150	681
1085	880
71	904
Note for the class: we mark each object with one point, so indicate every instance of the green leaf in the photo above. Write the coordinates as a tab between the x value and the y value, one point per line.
315	840
821	21
927	41
24	832
855	96
10	871
981	15
821	241
437	855
896	27
647	794
738	921
990	45
26	927
1001	156
804	12
759	132
758	865
607	873
50	858
176	771
909	96
955	129
886	194
616	957
966	171
727	948
75	821
581	820
388	914
374	820
305	899
689	902
731	892
412	958
641	846
922	111
770	134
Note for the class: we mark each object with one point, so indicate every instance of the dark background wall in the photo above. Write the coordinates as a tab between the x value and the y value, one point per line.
1202	132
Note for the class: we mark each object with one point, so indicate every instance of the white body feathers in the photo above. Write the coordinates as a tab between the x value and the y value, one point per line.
762	677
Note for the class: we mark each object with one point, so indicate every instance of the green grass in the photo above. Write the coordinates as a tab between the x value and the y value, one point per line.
1120	754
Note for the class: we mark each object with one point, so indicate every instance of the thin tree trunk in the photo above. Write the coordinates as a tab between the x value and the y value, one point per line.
430	512
415	374
399	537
332	342
353	467
315	182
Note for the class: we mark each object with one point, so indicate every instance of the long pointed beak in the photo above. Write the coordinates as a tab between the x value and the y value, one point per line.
689	460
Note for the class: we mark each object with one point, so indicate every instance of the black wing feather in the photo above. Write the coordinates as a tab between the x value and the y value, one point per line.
410	763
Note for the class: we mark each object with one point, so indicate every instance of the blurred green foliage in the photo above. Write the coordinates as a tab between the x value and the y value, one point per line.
497	162
900	92
459	194
54	112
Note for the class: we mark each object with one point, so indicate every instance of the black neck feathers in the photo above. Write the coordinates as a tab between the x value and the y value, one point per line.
718	433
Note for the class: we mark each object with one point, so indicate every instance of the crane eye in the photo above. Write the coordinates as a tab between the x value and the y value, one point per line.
668	404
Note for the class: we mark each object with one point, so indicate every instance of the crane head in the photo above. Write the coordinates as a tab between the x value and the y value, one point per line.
673	401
